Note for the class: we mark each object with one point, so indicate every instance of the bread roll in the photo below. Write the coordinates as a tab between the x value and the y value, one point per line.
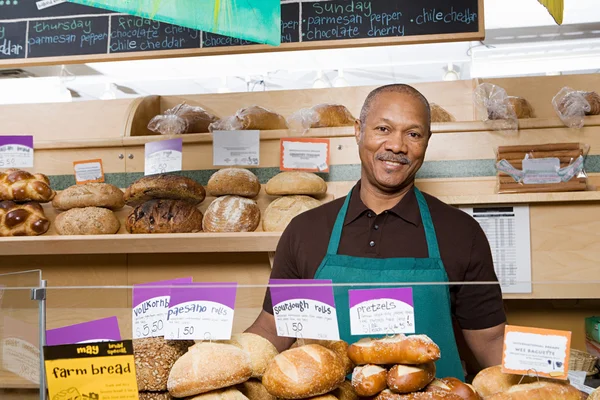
232	214
208	366
87	221
339	347
539	391
407	379
155	396
303	372
282	210
331	115
171	187
22	219
491	380
164	216
398	349
233	181
368	380
253	389
389	395
221	394
296	182
453	385
154	358
345	391
261	351
89	195
438	114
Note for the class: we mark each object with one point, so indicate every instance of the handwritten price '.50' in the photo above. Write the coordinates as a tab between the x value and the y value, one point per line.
160	168
146	330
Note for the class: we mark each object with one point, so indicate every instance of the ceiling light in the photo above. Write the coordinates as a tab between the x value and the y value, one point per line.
340	81
451	74
320	83
110	92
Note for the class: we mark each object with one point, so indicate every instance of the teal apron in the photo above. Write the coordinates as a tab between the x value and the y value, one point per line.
431	302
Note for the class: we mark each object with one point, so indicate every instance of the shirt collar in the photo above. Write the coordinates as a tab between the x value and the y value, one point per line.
407	208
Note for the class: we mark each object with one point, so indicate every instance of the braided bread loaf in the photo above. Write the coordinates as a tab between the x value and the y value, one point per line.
22	186
22	219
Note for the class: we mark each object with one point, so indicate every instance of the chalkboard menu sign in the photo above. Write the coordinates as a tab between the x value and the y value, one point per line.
32	30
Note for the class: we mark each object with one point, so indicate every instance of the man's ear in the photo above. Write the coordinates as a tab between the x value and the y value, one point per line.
357	131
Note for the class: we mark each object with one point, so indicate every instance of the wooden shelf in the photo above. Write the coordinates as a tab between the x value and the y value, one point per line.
520	198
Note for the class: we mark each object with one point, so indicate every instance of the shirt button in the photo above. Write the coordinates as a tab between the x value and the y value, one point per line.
369	214
371	243
376	227
385	212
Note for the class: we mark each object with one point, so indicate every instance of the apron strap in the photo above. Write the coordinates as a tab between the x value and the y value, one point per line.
430	236
336	234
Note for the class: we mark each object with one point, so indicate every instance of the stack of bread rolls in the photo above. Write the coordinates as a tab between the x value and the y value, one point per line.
21	193
234	209
164	204
88	209
297	190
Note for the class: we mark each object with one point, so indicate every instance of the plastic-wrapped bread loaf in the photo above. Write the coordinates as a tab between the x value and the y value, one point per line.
180	119
439	114
321	116
22	219
250	118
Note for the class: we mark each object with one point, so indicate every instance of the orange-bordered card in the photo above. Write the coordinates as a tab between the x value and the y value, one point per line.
304	154
88	171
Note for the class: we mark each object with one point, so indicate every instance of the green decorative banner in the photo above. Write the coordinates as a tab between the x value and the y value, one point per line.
254	20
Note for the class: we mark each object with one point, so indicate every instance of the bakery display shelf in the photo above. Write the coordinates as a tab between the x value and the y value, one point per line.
516	198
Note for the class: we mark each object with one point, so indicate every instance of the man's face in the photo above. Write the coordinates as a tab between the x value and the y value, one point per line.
393	143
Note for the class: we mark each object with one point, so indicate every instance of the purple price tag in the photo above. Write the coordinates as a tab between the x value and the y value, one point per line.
106	329
171	144
141	294
26	141
322	293
16	152
222	293
381	311
362	295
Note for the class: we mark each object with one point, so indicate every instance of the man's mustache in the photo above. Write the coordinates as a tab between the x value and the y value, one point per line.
399	158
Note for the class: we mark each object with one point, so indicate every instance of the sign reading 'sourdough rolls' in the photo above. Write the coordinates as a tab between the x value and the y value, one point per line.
102	370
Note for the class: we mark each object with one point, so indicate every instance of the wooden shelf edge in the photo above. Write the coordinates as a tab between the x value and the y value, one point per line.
519	198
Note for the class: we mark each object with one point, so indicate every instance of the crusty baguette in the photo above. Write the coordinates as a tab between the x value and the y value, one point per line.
233	181
368	380
89	195
453	385
389	395
296	183
541	390
339	347
398	349
306	371
261	351
209	366
220	394
410	378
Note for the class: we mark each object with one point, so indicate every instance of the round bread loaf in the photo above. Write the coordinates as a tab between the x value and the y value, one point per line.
171	187
492	380
261	351
154	358
368	380
282	210
89	195
397	349
542	390
296	182
155	396
332	115
164	216
345	391
209	366
233	181
455	386
87	221
389	395
305	371
253	389
221	394
407	379
232	214
339	347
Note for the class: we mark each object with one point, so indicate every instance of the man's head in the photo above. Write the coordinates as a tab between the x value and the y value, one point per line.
392	135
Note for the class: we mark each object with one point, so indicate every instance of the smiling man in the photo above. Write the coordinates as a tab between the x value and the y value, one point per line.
386	230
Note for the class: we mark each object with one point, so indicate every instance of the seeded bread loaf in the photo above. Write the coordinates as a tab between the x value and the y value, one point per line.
171	187
296	182
233	181
155	396
232	214
282	210
154	358
164	216
87	221
89	195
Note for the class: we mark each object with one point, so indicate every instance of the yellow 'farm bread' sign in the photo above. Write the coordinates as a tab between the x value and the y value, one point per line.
103	370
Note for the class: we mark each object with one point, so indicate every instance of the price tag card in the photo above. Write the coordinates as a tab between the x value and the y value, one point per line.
535	351
103	371
306	312
88	171
236	148
381	311
16	151
20	349
201	313
304	154
150	306
100	330
163	156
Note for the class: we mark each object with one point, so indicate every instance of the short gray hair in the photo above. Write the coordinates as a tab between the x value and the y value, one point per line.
393	88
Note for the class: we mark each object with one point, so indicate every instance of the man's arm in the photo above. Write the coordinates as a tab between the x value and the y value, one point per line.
265	327
486	344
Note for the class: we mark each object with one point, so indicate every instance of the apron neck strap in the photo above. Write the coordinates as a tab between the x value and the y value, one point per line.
430	236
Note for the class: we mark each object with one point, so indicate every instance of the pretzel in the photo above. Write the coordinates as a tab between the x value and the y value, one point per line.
22	219
22	186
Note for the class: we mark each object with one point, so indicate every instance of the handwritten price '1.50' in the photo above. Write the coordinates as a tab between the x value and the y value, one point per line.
187	331
146	329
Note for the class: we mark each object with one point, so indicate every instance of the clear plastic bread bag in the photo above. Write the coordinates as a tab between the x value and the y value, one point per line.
557	167
325	115
302	120
180	119
250	118
494	107
571	107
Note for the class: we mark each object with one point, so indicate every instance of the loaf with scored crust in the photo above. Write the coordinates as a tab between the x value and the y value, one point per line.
232	214
233	181
89	195
165	216
282	210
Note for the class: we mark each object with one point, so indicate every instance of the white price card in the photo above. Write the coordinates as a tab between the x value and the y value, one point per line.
88	171
43	4
236	148
381	311
306	312
163	156
202	312
304	154
150	306
536	351
16	152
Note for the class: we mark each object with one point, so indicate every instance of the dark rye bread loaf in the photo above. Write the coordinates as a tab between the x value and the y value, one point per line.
165	216
171	187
